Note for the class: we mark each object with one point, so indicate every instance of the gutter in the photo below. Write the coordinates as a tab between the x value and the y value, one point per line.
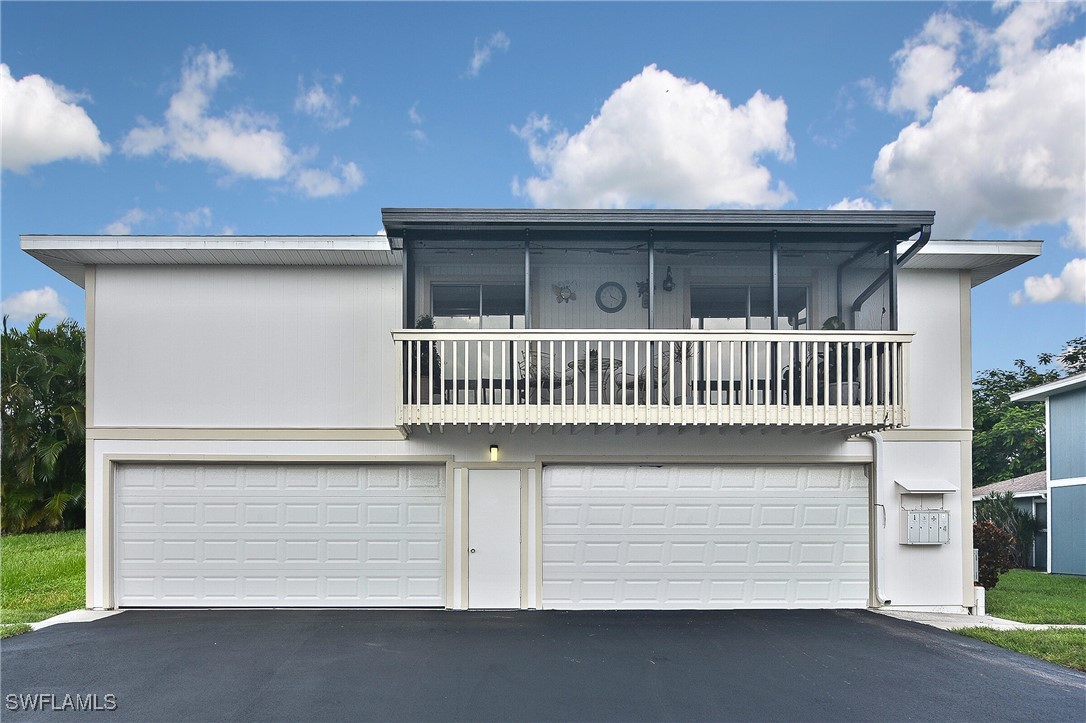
876	475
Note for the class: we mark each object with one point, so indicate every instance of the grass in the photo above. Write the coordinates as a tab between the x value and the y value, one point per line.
1036	597
8	631
1061	646
40	576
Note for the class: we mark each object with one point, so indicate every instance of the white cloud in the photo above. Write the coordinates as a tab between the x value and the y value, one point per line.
243	142
857	204
25	305
1070	286
326	106
194	220
483	53
1010	154
44	123
124	225
927	66
340	180
661	140
416	134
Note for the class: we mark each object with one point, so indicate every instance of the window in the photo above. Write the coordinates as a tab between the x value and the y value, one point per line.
477	306
732	308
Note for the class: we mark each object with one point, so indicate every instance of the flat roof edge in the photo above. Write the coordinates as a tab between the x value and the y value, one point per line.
1044	391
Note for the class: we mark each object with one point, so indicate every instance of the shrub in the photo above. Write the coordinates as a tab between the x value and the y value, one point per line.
996	547
1000	510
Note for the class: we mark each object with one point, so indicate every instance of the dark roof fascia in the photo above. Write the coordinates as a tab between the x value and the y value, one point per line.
486	223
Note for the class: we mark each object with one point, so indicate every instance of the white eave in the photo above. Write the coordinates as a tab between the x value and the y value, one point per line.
70	255
985	259
1044	391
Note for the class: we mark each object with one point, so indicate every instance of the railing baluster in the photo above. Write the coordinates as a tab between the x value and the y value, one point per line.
760	377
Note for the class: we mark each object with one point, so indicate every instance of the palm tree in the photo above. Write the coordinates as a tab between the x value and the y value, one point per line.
43	409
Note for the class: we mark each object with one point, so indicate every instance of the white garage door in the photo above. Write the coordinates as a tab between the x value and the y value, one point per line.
252	535
685	536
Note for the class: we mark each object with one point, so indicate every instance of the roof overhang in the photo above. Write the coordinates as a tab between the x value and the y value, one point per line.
489	224
1018	495
1044	391
70	255
984	259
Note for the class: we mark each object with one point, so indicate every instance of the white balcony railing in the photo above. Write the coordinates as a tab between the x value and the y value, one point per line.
854	379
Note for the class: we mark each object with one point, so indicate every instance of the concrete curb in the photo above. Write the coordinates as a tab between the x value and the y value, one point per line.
956	621
75	616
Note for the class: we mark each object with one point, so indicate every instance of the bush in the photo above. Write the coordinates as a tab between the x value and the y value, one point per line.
996	547
1000	510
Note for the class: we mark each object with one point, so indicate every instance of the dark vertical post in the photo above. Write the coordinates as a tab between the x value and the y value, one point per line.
408	286
892	253
527	283
840	296
774	286
652	281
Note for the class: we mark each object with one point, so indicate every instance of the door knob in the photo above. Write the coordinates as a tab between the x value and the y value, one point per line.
472	550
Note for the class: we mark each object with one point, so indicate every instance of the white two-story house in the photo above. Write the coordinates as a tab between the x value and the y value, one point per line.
601	409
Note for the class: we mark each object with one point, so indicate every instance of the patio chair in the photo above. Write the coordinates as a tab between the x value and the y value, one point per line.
542	382
651	375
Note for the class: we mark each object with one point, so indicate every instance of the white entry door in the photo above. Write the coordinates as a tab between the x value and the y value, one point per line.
494	538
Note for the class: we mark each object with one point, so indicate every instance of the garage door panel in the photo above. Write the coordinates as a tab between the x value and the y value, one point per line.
308	535
700	536
593	514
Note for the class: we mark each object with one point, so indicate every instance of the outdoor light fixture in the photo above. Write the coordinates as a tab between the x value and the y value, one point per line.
493	453
669	283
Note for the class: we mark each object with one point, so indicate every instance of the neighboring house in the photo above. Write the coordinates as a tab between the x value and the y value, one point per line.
1065	424
1030	495
266	428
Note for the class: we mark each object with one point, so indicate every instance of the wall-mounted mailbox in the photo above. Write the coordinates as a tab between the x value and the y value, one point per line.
925	527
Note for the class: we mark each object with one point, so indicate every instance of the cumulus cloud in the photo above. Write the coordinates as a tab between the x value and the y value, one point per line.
661	140
325	105
1070	286
124	225
1009	154
340	180
483	53
25	305
927	66
857	204
243	142
43	122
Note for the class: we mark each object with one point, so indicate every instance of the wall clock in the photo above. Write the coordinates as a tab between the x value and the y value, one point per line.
611	297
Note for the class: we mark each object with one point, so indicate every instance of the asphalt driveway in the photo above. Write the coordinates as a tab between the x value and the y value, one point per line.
523	666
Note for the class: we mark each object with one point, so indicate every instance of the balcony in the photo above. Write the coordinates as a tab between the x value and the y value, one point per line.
851	381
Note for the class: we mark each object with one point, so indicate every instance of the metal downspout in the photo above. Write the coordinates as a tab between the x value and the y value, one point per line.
873	518
921	241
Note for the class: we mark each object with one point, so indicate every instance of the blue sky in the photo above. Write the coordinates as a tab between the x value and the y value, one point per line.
283	118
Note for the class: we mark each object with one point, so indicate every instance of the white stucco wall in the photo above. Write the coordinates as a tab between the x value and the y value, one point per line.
930	304
240	346
309	347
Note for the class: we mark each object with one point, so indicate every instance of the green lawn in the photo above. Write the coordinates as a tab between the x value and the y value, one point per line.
40	576
1061	646
1036	597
